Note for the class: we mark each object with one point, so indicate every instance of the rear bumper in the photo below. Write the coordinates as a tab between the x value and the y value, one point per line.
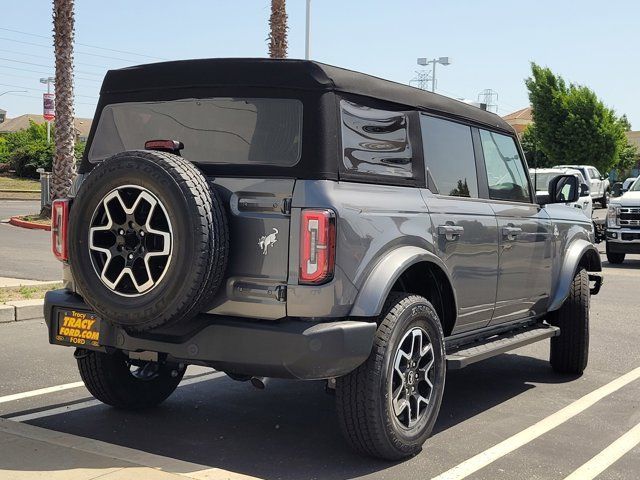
281	349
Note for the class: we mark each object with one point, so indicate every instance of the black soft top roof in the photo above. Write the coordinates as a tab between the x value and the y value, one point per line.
293	74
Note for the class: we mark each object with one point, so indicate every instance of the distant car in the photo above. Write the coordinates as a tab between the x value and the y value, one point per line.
542	177
598	184
626	185
623	224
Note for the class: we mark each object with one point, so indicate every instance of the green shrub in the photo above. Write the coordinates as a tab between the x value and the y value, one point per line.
25	160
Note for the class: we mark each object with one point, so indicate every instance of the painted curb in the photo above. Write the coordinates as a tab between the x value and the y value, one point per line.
18	222
19	310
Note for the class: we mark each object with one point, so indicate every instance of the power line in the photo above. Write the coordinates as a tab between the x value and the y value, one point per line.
128	60
48	57
40	98
47	66
85	44
48	73
36	90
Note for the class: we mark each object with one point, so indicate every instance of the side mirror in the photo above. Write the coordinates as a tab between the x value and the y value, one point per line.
585	191
564	189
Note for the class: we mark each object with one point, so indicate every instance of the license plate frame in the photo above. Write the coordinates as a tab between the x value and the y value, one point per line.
77	328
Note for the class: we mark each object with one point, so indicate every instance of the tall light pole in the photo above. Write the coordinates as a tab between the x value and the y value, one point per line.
307	38
441	60
48	81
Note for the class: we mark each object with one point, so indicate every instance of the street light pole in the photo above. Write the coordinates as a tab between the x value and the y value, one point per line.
307	38
48	81
441	60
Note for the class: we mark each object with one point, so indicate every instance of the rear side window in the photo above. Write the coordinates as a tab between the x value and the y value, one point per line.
375	141
237	131
449	158
505	169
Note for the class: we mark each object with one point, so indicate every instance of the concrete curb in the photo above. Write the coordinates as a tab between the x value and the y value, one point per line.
18	222
18	310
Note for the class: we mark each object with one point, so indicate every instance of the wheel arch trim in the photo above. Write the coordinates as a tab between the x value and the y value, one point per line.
384	275
578	253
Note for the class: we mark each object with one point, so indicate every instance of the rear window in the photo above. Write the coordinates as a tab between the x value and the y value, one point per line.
236	131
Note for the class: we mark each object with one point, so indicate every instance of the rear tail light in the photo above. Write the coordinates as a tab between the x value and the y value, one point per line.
317	246
59	223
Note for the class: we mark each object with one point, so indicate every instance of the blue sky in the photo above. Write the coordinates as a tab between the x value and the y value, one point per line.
491	42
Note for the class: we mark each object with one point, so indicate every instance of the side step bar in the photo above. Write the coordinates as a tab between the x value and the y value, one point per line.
489	347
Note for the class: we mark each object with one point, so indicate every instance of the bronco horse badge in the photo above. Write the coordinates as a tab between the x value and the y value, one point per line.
267	240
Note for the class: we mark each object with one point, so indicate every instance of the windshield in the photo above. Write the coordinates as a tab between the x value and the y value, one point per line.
636	186
236	131
542	180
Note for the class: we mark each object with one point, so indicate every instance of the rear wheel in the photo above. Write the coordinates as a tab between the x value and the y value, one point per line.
150	240
117	381
387	407
570	349
614	257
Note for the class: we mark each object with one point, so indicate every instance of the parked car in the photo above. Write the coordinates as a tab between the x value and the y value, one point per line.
598	184
542	177
285	218
623	225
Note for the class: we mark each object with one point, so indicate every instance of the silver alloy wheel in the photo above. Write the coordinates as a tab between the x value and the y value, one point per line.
412	377
130	240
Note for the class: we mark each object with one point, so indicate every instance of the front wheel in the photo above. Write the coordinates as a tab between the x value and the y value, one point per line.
117	381
604	201
387	407
614	257
570	350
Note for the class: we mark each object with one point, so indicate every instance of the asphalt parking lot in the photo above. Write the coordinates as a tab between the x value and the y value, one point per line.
289	430
39	263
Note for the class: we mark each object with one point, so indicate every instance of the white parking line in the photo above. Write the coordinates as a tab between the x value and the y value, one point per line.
516	441
40	391
608	456
92	403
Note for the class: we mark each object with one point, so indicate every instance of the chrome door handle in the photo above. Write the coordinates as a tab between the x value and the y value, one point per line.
450	232
510	233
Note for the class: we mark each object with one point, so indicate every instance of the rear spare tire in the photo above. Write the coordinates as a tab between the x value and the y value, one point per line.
149	240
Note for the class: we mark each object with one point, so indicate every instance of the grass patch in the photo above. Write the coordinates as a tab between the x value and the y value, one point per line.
26	292
8	182
36	218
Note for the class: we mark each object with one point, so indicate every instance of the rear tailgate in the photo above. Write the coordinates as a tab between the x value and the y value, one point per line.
259	226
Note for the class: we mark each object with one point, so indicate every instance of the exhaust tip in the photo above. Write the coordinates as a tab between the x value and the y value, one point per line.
259	382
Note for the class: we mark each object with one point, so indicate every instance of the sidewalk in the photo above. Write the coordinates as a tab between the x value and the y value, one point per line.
30	452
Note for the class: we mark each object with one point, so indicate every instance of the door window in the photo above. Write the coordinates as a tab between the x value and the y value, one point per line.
375	141
449	158
505	170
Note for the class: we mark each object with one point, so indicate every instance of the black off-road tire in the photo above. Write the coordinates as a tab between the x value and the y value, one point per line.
604	201
199	247
109	379
570	350
614	257
363	403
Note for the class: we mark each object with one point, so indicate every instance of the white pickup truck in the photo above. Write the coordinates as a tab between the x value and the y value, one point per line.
598	184
542	177
623	225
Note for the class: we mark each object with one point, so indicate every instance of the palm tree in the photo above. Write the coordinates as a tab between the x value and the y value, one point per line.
64	163
278	26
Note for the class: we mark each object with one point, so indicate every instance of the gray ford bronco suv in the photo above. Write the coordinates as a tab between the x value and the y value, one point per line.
289	219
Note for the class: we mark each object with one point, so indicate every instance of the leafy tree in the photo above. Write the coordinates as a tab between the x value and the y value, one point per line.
572	126
27	150
536	158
